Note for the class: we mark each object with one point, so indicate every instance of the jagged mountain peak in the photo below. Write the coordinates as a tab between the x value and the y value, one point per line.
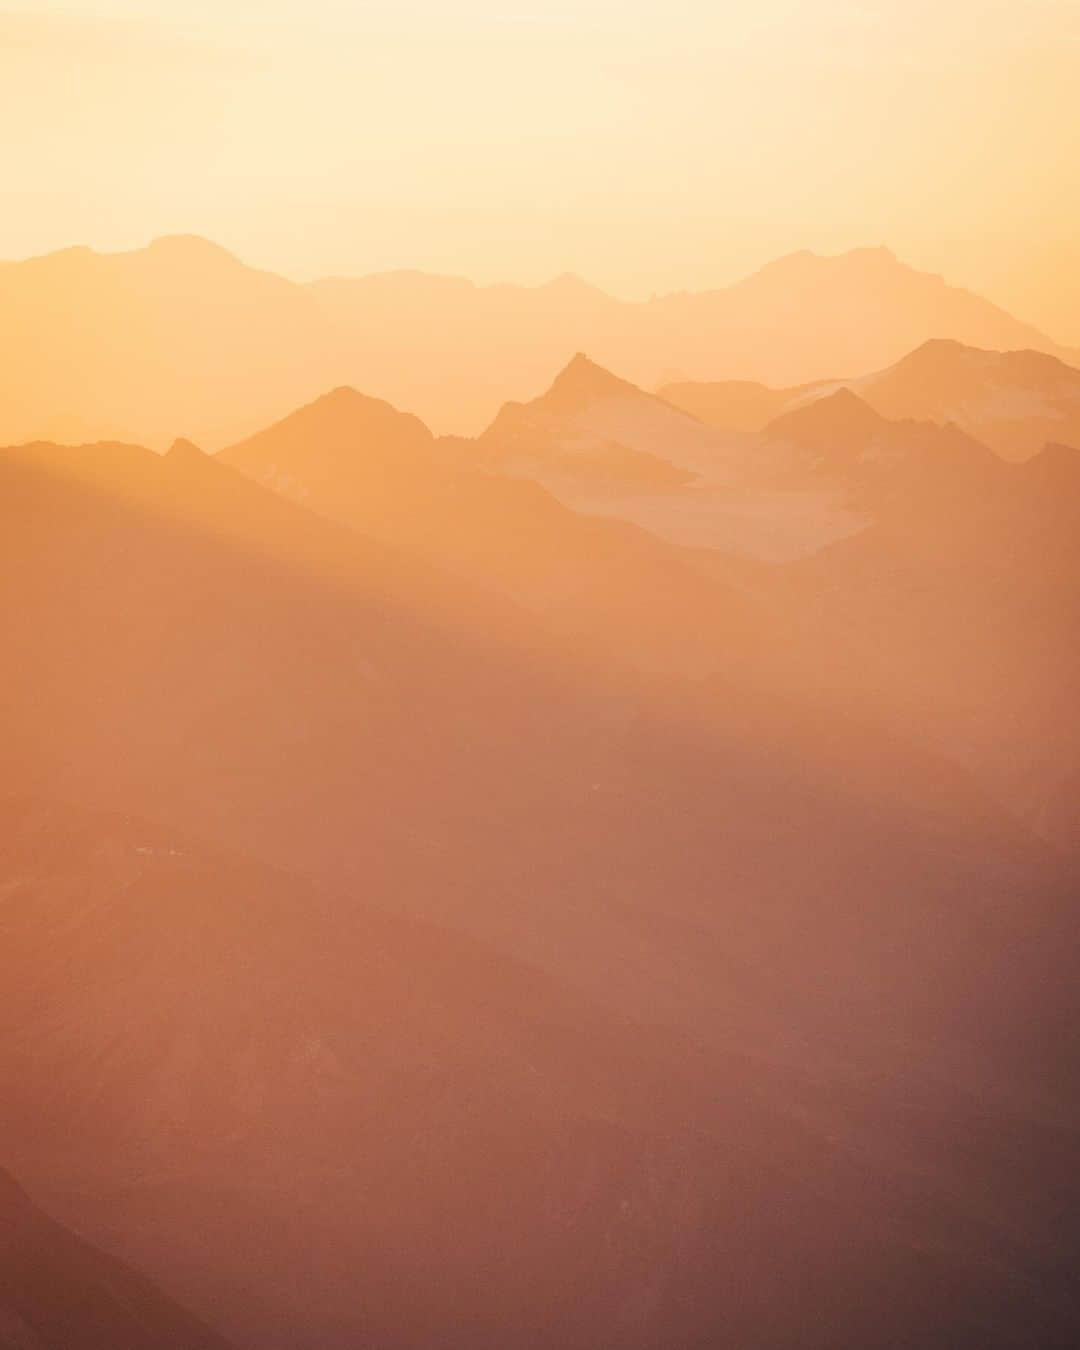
582	377
841	414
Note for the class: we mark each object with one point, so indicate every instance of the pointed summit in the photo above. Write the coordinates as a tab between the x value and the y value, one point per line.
1056	466
340	427
582	380
183	450
842	417
569	284
190	249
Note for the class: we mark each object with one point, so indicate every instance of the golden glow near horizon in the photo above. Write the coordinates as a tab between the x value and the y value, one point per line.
647	145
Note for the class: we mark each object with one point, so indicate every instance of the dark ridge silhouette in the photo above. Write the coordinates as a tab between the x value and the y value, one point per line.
57	1292
352	1127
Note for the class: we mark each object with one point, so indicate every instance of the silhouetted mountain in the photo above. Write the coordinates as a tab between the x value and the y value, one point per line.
1013	401
588	407
745	991
839	419
57	1292
815	475
828	461
691	482
448	504
878	465
181	336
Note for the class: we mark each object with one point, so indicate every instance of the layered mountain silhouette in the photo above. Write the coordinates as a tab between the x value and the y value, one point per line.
458	506
57	1292
878	464
815	473
700	500
1013	401
606	882
182	337
588	408
606	1004
622	576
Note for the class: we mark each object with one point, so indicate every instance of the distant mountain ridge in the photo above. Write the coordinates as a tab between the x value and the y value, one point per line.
1015	401
182	338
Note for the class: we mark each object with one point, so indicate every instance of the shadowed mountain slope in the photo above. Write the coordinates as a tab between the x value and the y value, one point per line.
848	956
327	1125
957	618
57	1292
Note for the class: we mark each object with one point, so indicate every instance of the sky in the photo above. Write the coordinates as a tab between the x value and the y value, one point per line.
647	145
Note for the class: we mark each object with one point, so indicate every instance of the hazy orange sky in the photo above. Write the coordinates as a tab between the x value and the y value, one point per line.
646	144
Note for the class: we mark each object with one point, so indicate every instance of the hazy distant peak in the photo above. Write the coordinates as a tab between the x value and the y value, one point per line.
183	449
942	349
805	262
569	283
582	377
337	423
846	403
1057	464
345	402
581	364
948	355
879	253
342	396
842	414
190	247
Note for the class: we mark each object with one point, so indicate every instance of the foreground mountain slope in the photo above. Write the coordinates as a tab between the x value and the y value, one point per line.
852	957
327	1125
305	1111
958	618
58	1293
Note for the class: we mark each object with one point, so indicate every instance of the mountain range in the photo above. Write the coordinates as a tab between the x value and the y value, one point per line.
604	882
638	564
180	337
1014	401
